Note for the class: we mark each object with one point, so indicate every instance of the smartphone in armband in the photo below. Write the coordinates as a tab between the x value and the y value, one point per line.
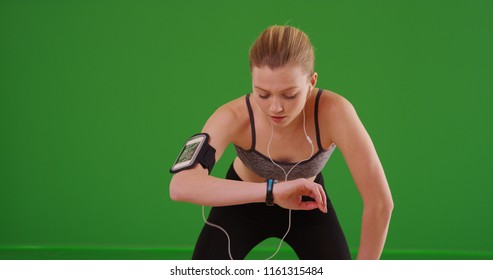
196	150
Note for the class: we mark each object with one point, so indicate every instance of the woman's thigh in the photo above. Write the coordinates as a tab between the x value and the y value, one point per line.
315	235
242	231
318	235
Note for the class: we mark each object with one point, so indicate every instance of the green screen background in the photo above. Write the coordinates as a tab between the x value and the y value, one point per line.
98	97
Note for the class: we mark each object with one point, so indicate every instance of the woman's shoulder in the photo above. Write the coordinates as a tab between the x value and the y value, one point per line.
231	115
332	103
333	107
234	109
334	113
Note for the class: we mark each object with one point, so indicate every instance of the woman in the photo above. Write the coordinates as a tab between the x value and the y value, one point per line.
286	129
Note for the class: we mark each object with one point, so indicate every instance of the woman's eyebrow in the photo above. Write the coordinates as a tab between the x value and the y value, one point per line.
281	90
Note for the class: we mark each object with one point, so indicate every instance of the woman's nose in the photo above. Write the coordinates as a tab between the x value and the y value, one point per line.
276	106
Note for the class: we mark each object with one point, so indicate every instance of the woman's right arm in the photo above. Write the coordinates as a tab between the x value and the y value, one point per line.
196	186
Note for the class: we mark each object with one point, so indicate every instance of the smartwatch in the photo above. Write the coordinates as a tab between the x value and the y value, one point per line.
269	197
196	150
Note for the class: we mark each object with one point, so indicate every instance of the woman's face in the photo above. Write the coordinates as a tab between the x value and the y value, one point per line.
281	94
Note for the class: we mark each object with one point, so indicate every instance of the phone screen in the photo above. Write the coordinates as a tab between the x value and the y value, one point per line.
188	152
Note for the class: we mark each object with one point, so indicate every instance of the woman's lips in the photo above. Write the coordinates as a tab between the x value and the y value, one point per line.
277	119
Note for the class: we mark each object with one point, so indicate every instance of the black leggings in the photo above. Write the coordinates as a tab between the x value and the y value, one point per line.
314	235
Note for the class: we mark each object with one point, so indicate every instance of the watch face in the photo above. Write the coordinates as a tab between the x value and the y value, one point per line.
188	155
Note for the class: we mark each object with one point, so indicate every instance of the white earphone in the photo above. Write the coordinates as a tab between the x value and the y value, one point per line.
308	137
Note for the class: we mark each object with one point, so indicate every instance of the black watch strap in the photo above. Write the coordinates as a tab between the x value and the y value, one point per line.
269	197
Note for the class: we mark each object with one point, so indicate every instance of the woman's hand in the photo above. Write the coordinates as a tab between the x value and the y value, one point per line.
288	195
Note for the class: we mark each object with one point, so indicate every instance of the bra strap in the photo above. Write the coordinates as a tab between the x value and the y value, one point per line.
252	121
317	99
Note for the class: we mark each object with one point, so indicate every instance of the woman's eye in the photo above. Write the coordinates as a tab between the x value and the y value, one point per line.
263	96
292	96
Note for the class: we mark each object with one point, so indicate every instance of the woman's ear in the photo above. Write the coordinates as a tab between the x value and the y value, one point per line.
313	79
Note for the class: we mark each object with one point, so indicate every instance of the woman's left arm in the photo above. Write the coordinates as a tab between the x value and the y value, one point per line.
350	136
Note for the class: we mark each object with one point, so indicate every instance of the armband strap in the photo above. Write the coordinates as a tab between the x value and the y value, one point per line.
207	157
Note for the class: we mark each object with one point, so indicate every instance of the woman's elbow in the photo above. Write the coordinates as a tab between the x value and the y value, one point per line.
173	194
386	205
176	192
383	207
182	185
388	208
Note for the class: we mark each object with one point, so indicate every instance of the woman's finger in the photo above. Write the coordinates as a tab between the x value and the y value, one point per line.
315	189
323	198
316	192
308	205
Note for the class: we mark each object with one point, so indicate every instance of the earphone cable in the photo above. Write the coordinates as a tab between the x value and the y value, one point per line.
286	178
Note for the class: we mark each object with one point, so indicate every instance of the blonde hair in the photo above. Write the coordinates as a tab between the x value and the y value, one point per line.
279	46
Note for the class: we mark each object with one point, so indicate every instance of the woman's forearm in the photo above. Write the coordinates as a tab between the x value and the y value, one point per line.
374	232
211	191
202	189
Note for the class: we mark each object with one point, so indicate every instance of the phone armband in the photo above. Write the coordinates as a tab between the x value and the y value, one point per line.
196	150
